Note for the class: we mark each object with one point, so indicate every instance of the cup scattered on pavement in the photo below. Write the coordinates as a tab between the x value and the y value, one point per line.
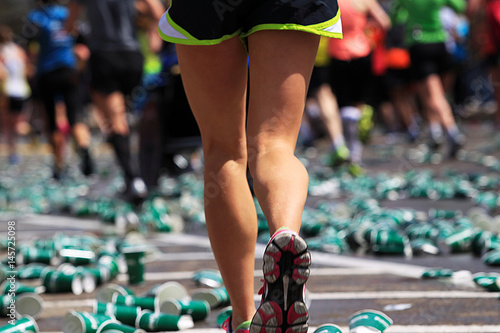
369	321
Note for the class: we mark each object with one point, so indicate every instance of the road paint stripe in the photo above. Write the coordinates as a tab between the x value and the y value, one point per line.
167	276
320	258
402	295
332	296
81	302
59	221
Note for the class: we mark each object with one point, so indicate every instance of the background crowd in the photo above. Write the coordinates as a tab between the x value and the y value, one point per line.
77	71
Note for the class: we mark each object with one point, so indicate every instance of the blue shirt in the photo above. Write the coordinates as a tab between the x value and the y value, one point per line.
56	45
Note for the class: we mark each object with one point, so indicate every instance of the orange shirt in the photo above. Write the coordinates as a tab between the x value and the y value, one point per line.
355	43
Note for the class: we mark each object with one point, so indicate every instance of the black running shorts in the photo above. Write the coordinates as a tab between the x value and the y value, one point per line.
209	22
428	59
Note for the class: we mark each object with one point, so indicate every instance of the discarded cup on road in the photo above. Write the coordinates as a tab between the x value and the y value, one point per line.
123	313
20	288
484	241
197	309
328	328
389	241
492	258
460	241
169	289
30	271
436	273
29	255
83	322
29	304
488	281
114	326
208	277
223	315
215	297
25	324
105	293
369	321
59	281
136	265
149	303
7	304
421	246
157	321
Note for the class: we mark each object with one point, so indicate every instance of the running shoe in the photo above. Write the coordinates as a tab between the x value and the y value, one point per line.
286	270
455	144
242	328
356	170
338	157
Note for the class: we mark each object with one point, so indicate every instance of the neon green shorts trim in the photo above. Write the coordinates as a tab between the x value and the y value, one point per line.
202	22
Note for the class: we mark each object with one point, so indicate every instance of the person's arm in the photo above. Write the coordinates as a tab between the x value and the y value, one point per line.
74	11
458	6
379	15
156	8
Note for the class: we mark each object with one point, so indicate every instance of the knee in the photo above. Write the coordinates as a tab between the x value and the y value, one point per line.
219	152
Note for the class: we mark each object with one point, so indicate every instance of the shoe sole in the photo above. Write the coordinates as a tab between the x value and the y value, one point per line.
286	270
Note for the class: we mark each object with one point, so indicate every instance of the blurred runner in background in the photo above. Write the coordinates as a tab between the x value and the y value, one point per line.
14	86
116	64
351	66
425	36
58	79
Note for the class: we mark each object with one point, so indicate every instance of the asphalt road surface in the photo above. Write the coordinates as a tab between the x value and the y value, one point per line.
340	284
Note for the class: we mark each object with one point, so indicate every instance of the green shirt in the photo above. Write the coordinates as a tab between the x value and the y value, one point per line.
423	24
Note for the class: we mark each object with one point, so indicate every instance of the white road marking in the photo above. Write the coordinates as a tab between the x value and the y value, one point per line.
403	295
326	259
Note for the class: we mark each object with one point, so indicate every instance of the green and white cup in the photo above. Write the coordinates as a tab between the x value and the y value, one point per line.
149	303
114	326
59	281
488	281
29	304
368	320
22	325
135	258
437	273
170	289
100	274
30	271
122	313
491	258
8	305
215	297
223	315
111	263
197	309
21	288
460	241
83	322
208	277
328	328
105	293
157	321
29	255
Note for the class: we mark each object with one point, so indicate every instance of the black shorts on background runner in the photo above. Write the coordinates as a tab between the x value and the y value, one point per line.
116	71
428	59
